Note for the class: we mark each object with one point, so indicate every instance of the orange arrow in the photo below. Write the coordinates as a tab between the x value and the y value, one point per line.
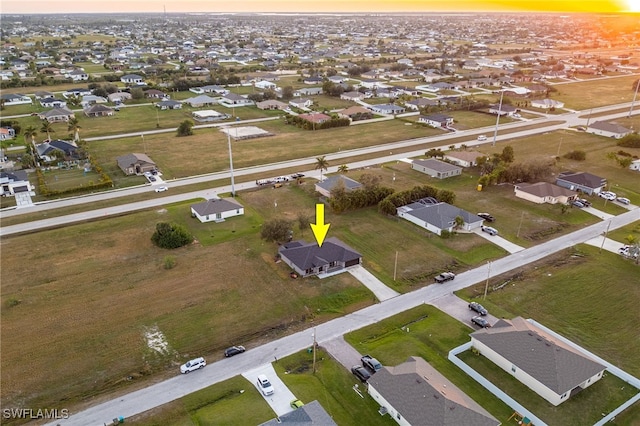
319	228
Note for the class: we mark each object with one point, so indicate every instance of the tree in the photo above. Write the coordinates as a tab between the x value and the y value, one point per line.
137	93
303	221
74	127
30	132
632	140
507	155
459	222
321	164
171	235
276	230
185	128
28	161
47	128
287	92
343	168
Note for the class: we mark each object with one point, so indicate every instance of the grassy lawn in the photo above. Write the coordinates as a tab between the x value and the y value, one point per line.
591	94
59	180
472	119
428	333
585	408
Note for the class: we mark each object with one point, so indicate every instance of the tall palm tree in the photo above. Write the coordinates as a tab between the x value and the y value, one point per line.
343	168
30	132
75	128
322	164
47	128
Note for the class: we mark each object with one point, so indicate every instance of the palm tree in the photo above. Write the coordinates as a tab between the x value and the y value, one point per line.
322	164
75	128
30	132
47	128
343	168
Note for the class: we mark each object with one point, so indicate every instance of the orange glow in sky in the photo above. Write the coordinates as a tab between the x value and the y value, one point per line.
117	6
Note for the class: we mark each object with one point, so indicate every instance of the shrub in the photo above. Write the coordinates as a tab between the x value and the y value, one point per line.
630	141
171	235
576	155
12	301
276	230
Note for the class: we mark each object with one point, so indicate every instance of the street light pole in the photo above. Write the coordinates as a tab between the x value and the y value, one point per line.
495	132
233	188
634	99
486	287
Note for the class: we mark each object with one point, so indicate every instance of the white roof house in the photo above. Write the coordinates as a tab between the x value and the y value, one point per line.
217	210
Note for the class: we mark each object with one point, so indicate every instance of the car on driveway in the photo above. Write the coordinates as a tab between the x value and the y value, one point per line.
371	363
584	201
623	200
161	189
489	230
481	322
194	364
361	373
445	276
578	204
296	403
475	306
607	195
265	385
487	217
234	350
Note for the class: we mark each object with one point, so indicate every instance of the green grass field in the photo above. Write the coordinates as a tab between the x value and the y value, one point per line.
590	94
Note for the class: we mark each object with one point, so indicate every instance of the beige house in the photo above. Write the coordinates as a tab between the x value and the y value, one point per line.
544	192
436	168
551	368
463	158
135	164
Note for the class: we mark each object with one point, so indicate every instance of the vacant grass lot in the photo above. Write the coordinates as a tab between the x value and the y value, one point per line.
590	94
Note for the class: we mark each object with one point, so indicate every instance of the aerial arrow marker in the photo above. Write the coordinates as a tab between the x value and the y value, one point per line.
319	228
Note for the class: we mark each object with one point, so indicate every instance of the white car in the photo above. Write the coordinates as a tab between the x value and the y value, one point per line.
161	189
482	137
623	200
194	364
265	385
607	195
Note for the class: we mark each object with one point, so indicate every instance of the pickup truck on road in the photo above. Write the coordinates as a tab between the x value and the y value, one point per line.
445	276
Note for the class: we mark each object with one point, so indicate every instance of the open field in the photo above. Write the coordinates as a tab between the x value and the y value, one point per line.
595	93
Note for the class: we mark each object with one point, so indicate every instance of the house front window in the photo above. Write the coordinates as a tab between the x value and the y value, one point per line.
218	215
513	368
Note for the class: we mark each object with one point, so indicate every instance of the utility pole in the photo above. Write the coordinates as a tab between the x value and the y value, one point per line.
495	132
233	188
395	266
314	350
520	225
605	235
486	287
634	99
144	144
559	145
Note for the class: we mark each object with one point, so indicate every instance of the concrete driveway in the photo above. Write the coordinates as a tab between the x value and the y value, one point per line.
381	291
459	309
342	352
281	398
598	213
609	245
498	240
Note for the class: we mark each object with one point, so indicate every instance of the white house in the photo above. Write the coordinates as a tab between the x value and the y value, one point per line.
216	210
546	365
436	168
546	103
414	391
610	130
15	99
12	183
635	165
437	217
132	79
436	120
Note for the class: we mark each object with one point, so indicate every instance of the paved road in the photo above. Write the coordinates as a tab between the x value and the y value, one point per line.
176	387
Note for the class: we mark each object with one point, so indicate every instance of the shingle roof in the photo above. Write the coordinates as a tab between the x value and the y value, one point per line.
332	181
583	178
425	397
441	215
437	165
309	255
545	189
216	205
126	161
551	362
311	414
609	127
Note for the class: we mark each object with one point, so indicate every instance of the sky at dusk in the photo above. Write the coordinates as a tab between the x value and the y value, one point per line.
227	6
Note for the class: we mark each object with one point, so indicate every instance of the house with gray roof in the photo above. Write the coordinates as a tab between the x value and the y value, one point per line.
544	192
329	183
15	182
387	109
57	114
311	414
610	130
97	110
47	150
415	393
582	182
217	210
466	158
135	164
436	168
551	368
436	120
438	217
200	101
169	104
310	259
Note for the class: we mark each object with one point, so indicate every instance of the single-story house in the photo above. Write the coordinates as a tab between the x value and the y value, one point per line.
200	101
301	103
135	164
355	112
436	168
352	96
15	99
57	115
308	91
46	150
387	109
581	182
436	120
132	79
155	94
272	104
208	115
98	110
551	368
42	94
264	85
544	192
414	393
546	103
77	75
217	209
502	109
610	130
635	165
235	100
53	103
119	97
416	104
329	183
315	117
212	88
169	104
312	80
438	217
310	259
310	414
464	158
15	182
7	133
92	99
